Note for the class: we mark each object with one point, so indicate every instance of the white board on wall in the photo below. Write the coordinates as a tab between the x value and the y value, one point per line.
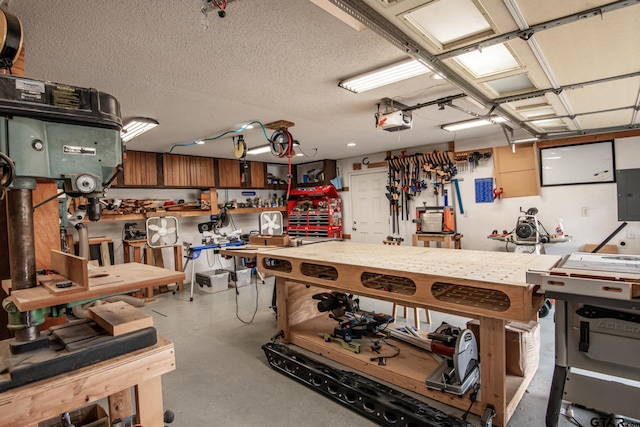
577	164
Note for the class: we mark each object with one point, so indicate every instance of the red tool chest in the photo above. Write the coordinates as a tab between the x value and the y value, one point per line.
315	212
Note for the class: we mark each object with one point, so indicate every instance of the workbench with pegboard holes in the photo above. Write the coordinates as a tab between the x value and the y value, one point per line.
489	286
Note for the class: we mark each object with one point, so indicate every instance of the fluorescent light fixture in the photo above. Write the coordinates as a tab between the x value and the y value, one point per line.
468	124
351	144
136	126
261	149
384	76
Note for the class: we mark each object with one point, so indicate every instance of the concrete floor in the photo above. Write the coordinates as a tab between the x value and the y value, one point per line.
223	378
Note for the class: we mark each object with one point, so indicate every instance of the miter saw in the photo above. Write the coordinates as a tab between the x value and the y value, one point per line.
353	323
210	230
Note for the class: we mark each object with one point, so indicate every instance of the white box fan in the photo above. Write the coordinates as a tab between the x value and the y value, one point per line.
162	231
271	223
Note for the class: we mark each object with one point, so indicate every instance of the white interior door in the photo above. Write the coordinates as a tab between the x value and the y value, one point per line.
370	207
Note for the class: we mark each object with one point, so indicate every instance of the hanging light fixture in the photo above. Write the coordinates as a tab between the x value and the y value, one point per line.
136	126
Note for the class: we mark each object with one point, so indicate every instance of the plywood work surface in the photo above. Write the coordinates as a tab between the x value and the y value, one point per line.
103	281
484	266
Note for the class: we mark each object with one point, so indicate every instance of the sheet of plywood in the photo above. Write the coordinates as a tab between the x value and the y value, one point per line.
103	281
120	318
71	266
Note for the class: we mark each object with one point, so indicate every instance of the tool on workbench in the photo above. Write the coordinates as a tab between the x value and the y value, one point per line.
460	368
354	324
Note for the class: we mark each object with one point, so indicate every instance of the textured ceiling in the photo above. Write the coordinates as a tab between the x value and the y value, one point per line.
282	60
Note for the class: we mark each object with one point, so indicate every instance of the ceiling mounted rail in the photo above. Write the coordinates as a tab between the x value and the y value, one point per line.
527	33
381	26
558	90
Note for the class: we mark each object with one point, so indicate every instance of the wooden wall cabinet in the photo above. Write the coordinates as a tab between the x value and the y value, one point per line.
517	173
312	169
188	171
140	170
257	174
228	173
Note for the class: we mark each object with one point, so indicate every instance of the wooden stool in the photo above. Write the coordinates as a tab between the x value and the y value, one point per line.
153	256
137	246
416	314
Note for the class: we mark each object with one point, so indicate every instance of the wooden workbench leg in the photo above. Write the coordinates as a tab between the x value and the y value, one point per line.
127	252
414	240
149	402
177	264
282	295
493	370
149	257
120	405
137	254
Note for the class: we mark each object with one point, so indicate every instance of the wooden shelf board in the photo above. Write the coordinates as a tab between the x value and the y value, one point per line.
184	214
408	370
103	281
256	210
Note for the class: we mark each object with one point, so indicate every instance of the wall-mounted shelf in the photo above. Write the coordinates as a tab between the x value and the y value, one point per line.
184	214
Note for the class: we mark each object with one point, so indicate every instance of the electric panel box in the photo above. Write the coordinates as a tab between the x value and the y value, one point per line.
213	281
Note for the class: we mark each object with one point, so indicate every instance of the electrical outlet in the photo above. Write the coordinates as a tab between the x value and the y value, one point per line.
466	214
585	211
631	234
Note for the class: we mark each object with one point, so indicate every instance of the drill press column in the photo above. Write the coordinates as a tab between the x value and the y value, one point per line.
22	254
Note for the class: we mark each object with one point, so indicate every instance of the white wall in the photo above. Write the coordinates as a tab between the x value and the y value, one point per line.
561	202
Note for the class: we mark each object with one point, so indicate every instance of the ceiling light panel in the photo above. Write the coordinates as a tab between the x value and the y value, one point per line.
435	21
491	60
512	84
384	76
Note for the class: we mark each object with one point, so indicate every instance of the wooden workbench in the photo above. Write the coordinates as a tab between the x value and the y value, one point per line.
30	404
489	286
103	281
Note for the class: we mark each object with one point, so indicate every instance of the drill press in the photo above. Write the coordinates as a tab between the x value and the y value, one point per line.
56	132
70	135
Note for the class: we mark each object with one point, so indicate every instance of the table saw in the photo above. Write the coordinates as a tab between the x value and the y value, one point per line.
597	332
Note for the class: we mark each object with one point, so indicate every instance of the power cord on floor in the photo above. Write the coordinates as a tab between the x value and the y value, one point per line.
237	305
569	414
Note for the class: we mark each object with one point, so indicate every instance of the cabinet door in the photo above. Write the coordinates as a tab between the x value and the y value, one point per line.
228	173
188	171
140	169
258	175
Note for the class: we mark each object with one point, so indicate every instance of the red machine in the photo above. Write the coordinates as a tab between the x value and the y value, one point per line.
315	212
